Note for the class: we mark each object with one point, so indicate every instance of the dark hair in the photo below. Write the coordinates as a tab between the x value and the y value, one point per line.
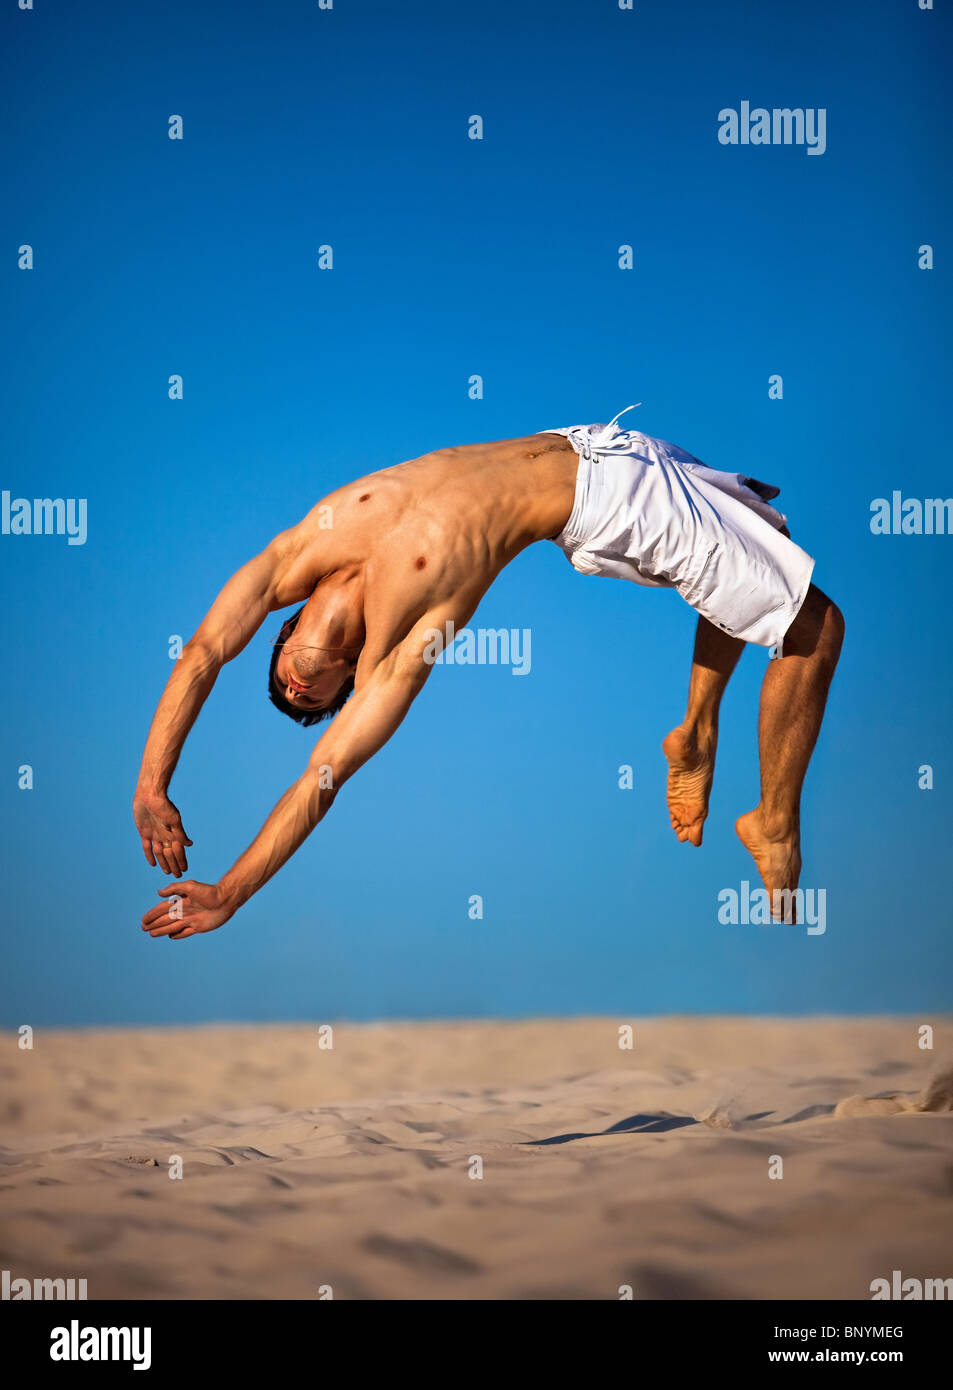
302	716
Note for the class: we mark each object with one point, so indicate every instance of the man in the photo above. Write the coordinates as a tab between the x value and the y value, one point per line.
383	564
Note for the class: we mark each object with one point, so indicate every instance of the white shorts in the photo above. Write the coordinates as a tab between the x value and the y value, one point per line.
647	511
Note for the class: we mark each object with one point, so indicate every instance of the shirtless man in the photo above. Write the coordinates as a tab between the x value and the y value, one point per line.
383	564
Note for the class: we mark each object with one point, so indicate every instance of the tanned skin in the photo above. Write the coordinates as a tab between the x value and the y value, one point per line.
407	550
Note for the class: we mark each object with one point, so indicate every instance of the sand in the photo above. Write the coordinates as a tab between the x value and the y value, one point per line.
308	1169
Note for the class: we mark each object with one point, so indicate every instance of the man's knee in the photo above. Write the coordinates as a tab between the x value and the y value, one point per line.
818	627
837	623
840	626
832	625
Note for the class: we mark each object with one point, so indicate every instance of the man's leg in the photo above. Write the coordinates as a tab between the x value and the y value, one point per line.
793	697
690	748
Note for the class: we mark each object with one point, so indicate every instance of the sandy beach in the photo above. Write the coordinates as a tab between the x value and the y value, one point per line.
490	1160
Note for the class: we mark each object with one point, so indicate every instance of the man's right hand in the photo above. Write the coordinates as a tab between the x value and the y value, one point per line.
163	836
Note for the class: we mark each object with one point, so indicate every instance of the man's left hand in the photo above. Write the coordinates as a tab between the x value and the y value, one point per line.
190	908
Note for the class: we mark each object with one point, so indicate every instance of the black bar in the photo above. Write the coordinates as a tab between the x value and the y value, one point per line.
273	1338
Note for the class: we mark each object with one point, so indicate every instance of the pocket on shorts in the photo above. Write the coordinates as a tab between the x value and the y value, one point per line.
734	592
693	584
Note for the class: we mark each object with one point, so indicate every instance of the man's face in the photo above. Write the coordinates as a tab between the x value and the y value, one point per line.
310	678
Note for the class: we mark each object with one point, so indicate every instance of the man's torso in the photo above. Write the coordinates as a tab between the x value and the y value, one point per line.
433	533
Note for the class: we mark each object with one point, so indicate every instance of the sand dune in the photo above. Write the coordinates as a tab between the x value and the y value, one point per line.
306	1168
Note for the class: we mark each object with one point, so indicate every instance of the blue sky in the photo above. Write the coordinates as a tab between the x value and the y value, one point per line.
454	256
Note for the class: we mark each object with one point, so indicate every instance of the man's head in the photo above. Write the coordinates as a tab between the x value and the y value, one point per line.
315	656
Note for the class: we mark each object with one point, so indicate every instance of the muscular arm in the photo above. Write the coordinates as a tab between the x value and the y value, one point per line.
363	726
227	628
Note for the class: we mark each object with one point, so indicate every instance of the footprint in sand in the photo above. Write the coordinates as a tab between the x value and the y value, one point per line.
937	1096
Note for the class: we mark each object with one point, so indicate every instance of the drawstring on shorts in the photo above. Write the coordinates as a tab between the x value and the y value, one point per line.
587	442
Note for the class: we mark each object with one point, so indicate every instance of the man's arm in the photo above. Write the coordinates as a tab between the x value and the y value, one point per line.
235	616
362	727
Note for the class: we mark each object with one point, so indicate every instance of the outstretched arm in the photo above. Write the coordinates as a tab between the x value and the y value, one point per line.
363	726
229	625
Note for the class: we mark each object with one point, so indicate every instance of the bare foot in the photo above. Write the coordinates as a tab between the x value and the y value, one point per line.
691	767
778	858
